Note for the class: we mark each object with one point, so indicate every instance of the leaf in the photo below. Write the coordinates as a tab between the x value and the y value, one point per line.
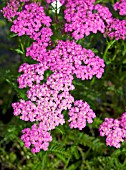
61	157
60	130
13	157
44	161
19	51
97	145
124	61
94	50
55	148
13	35
74	151
74	166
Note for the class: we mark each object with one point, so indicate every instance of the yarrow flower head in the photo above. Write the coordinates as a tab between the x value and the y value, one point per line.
30	20
50	99
46	110
80	114
26	109
121	6
37	137
83	17
38	48
33	73
11	9
116	29
122	120
114	130
68	58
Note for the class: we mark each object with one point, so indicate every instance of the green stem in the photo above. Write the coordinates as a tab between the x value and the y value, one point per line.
76	143
106	50
22	47
68	160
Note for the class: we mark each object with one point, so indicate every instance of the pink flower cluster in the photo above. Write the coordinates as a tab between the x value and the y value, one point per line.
38	48
48	100
114	130
116	29
70	58
36	136
121	6
33	73
83	17
30	20
49	96
10	11
79	114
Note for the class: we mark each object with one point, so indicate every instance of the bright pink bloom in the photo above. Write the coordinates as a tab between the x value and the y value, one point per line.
11	9
79	114
30	20
121	6
114	130
33	73
116	29
83	17
70	58
37	137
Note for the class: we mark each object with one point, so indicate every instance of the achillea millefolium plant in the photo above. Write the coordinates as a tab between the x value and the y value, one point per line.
72	69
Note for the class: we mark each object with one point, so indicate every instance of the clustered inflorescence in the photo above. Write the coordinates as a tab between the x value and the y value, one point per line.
47	100
83	17
114	130
121	6
11	10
